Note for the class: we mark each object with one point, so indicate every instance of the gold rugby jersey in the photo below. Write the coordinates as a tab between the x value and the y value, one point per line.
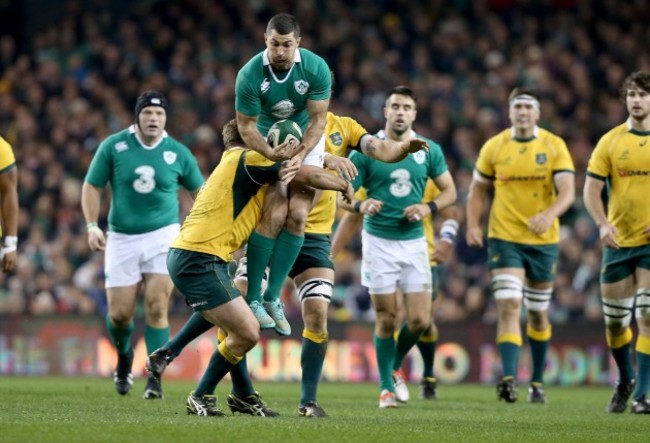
522	172
229	205
622	159
341	133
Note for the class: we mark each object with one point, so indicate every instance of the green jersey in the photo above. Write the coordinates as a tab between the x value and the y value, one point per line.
275	95
397	185
144	180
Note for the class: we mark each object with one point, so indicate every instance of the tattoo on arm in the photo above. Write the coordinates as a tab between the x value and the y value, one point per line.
371	146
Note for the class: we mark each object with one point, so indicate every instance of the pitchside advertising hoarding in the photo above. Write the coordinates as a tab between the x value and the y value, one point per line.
77	346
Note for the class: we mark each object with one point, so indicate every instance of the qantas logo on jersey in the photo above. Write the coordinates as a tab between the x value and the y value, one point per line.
521	178
121	146
169	157
633	173
301	87
265	86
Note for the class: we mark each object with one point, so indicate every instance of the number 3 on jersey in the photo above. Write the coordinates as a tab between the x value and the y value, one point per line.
402	183
145	183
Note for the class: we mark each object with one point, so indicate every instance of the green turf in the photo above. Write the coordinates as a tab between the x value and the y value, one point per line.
89	410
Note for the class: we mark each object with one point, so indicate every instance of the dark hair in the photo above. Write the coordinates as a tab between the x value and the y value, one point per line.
150	98
523	90
284	24
230	135
640	79
402	90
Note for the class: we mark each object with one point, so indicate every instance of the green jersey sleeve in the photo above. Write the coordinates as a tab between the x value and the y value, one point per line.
101	168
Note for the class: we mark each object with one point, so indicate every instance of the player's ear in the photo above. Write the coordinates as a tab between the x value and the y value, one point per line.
298	41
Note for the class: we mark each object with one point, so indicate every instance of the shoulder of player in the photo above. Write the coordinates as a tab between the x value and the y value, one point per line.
256	62
609	139
114	139
313	63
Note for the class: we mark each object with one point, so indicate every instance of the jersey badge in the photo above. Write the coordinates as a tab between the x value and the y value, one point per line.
419	157
336	139
540	159
301	87
169	157
265	86
283	109
121	146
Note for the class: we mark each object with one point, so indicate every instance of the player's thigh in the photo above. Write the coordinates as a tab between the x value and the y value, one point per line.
121	301
417	307
235	318
620	264
540	262
380	270
415	274
203	279
504	254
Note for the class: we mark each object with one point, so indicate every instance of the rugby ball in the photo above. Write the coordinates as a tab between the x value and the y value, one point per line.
284	131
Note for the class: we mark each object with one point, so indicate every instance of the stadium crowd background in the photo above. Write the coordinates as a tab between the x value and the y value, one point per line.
71	77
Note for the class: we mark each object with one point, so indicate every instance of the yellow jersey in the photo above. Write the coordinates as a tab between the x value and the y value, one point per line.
229	205
622	158
341	133
7	160
522	171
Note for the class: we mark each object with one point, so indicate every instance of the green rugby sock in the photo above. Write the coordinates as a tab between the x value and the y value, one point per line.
312	358
155	338
193	327
241	380
121	337
509	357
405	341
258	255
427	351
385	349
287	248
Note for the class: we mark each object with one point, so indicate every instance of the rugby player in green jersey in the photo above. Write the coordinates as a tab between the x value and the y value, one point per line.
145	168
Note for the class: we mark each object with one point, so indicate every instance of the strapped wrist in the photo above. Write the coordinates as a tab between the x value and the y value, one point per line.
449	230
10	240
357	206
433	207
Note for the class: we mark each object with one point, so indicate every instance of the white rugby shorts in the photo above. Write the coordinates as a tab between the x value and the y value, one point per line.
316	156
129	256
391	264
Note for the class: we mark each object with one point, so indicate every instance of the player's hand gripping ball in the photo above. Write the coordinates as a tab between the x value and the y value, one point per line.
284	131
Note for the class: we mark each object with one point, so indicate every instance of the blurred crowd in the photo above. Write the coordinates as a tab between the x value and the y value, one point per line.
72	82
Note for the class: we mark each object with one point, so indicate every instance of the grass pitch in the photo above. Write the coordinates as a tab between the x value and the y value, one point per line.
48	409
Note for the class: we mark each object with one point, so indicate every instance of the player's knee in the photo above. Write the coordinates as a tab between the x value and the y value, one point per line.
419	324
618	313
247	337
121	317
385	321
156	308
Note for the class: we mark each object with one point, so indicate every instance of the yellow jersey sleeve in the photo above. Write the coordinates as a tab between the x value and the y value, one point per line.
7	158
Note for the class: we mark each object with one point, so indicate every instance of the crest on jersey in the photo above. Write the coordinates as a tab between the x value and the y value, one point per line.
283	109
336	139
540	159
265	86
301	87
169	157
419	157
121	146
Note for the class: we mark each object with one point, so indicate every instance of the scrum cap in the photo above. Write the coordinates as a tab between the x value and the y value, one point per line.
150	98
